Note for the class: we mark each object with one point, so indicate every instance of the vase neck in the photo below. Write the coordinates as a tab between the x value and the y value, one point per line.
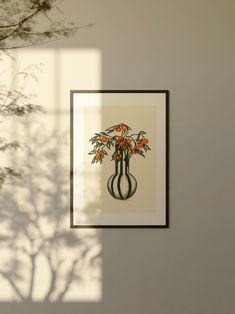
122	165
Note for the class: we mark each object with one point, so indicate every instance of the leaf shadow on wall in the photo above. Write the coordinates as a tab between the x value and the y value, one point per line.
42	259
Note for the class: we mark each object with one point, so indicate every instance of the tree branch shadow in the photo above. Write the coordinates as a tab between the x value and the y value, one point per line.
41	258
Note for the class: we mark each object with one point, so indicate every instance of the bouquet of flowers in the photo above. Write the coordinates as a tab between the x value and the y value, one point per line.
122	140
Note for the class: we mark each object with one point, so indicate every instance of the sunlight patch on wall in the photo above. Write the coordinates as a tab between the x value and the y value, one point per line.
41	258
87	180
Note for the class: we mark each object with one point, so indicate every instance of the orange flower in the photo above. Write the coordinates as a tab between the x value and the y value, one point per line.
120	138
123	127
145	141
104	139
122	143
128	141
134	151
119	156
118	129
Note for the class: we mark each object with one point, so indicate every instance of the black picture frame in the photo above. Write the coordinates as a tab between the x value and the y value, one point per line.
167	110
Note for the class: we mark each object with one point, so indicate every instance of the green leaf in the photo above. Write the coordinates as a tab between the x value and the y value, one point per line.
103	133
139	152
141	133
111	129
114	155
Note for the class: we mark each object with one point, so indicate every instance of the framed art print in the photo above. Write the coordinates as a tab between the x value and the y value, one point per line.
119	158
